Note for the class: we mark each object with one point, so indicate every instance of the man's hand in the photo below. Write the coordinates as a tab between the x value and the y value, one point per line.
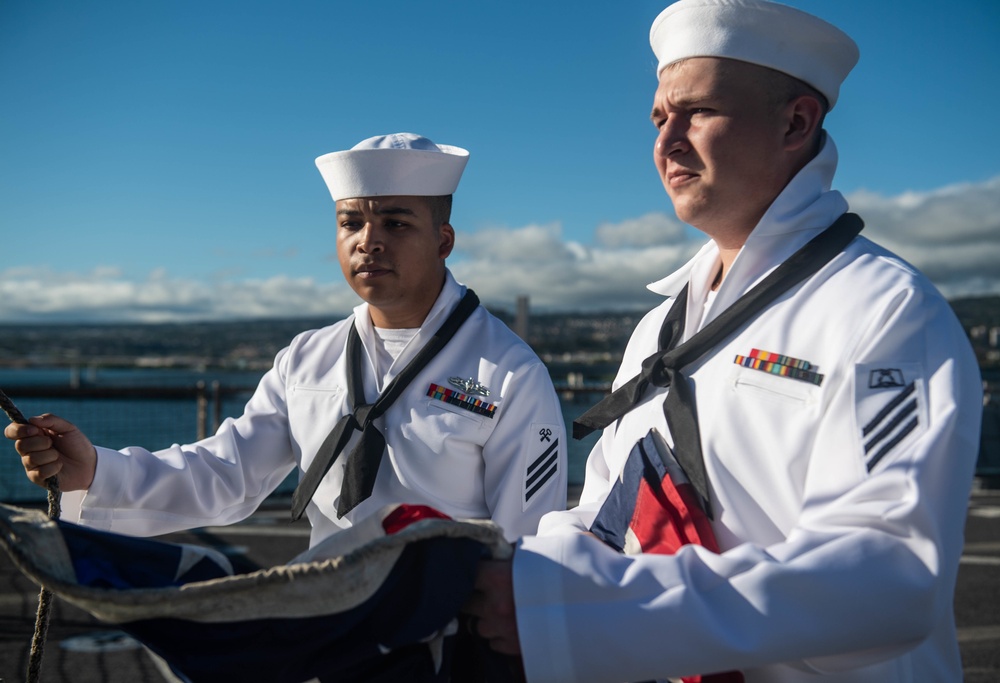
492	607
49	446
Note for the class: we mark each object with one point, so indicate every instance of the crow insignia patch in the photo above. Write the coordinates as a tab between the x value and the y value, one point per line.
542	446
891	404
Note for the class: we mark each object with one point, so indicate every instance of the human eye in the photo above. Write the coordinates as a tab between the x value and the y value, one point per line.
395	223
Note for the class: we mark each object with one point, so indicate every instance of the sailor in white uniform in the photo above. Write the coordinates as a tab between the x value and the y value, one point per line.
837	427
468	424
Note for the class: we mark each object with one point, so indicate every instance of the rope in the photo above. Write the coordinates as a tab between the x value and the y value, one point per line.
44	596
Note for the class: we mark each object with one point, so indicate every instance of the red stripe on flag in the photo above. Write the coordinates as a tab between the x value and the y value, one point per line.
666	519
405	515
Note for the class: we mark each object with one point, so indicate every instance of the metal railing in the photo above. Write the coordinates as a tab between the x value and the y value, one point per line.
158	416
118	416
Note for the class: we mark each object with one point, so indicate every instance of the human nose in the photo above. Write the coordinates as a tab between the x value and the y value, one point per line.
670	138
370	239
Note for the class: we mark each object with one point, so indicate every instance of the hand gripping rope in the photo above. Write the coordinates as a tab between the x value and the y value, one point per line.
44	597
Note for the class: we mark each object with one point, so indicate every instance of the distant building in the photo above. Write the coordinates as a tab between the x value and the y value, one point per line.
521	322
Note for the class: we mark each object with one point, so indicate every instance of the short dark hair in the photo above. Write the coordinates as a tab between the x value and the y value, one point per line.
780	88
783	88
440	207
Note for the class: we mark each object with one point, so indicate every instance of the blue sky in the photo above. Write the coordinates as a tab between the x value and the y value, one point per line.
156	158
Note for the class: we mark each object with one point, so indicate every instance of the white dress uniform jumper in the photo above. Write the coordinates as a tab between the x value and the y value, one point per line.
839	431
499	457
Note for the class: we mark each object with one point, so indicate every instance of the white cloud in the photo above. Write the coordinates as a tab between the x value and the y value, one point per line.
952	234
559	275
651	230
537	244
44	295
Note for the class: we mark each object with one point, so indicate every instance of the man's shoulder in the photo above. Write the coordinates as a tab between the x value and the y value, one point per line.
865	246
321	337
871	287
649	325
494	334
876	271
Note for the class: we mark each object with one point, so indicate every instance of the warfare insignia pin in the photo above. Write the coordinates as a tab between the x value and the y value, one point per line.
469	386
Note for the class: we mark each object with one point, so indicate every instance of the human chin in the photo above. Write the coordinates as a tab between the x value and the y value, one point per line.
377	296
688	206
367	287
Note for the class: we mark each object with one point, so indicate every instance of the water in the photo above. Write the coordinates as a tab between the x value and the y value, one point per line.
157	423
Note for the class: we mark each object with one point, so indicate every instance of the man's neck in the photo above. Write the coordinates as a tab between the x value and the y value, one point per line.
727	256
407	315
402	320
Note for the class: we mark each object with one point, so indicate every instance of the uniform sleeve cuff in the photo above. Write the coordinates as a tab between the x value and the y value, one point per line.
538	600
95	506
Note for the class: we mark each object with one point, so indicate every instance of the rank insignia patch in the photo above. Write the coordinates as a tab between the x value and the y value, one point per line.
462	400
891	405
783	366
542	442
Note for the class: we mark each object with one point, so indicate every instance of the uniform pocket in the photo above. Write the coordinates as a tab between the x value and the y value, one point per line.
756	385
314	400
312	414
439	409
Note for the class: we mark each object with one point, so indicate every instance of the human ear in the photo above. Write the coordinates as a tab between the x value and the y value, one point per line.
803	116
447	240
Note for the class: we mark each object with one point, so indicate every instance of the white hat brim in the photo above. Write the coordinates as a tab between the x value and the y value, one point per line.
768	34
382	172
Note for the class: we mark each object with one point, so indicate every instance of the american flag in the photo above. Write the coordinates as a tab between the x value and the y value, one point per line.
377	602
653	508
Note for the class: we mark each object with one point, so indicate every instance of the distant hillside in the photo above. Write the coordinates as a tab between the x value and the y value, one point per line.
557	337
981	310
62	344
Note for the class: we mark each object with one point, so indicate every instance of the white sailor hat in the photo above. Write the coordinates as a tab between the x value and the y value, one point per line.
395	164
765	33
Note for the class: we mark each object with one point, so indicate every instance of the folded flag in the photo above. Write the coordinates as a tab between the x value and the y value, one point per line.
654	509
376	602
